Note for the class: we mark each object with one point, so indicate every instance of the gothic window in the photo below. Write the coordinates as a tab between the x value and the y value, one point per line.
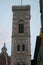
21	28
18	63
18	47
23	63
23	47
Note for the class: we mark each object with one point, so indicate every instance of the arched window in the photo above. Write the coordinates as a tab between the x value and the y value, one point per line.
18	47
23	63
18	63
23	47
21	28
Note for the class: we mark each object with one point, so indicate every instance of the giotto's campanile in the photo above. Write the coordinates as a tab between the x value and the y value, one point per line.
21	49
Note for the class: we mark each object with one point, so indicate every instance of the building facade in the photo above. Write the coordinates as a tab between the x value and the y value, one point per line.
38	55
21	47
4	57
41	12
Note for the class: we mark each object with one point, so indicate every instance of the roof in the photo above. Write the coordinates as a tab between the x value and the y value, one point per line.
3	60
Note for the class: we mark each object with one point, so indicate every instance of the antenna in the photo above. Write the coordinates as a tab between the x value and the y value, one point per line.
21	2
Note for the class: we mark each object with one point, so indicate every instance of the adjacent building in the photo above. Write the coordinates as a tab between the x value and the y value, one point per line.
38	54
4	57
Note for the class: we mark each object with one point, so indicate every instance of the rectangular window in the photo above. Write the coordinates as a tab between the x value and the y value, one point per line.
21	28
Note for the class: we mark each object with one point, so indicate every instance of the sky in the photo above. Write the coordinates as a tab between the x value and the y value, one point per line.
6	22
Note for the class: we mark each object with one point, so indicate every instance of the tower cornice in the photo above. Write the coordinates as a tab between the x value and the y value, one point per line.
27	7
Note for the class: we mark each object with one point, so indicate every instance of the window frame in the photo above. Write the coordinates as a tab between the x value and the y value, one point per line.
23	63
18	63
19	23
18	47
23	47
21	28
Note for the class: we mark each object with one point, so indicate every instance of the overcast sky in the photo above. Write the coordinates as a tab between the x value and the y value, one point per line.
6	22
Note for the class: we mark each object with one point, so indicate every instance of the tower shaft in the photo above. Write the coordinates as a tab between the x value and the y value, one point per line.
21	51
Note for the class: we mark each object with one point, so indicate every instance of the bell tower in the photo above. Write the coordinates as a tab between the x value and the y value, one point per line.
21	49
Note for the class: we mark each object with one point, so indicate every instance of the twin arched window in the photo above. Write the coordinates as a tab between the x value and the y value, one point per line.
18	47
23	63
19	63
